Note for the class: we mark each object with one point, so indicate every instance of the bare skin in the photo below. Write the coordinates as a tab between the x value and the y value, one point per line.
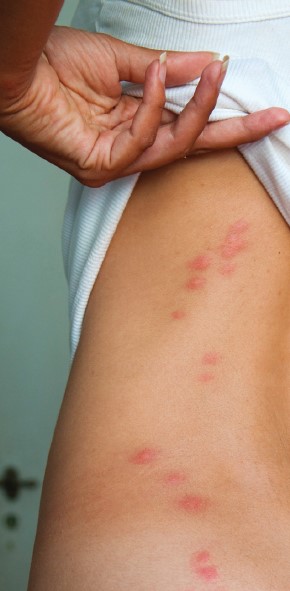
169	469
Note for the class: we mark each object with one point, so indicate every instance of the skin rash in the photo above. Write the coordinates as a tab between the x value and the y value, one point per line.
202	567
223	261
234	242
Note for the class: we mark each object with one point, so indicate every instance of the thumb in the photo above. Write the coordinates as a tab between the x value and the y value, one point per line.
132	62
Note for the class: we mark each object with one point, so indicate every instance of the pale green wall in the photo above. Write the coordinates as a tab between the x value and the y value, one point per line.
34	342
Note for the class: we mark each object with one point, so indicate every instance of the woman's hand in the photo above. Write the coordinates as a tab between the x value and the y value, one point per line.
74	115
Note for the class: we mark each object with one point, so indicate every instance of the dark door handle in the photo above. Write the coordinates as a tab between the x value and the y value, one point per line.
11	483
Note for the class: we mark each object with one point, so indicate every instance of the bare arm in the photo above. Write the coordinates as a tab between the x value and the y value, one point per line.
24	30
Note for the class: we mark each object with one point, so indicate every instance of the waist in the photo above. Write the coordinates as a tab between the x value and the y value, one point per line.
175	419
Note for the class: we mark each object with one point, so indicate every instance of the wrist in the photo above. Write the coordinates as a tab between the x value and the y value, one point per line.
12	88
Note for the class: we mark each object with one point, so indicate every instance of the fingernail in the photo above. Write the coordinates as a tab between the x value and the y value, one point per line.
215	56
163	66
225	63
283	124
286	121
224	67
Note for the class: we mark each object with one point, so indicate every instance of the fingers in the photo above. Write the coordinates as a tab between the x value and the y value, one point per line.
194	117
233	132
175	139
132	62
132	142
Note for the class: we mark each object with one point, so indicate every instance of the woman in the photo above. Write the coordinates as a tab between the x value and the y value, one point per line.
169	466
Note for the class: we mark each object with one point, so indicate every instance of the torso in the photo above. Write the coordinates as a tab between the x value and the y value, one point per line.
171	454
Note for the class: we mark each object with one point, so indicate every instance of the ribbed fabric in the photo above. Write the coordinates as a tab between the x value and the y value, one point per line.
217	11
256	35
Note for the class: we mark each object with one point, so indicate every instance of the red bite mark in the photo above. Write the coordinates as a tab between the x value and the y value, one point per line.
208	573
177	314
234	241
227	269
174	478
144	456
232	246
202	556
192	503
211	358
239	226
199	263
205	377
196	283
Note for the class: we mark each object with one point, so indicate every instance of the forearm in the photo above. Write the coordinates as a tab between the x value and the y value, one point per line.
24	28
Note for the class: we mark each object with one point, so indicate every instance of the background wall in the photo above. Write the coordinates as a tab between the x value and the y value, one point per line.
34	343
34	339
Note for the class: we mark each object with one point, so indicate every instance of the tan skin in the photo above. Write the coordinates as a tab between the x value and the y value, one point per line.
109	522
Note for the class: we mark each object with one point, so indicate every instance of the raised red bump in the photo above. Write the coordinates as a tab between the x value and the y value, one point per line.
178	314
208	573
211	358
202	556
146	455
227	269
205	377
234	241
196	283
174	478
199	263
192	503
